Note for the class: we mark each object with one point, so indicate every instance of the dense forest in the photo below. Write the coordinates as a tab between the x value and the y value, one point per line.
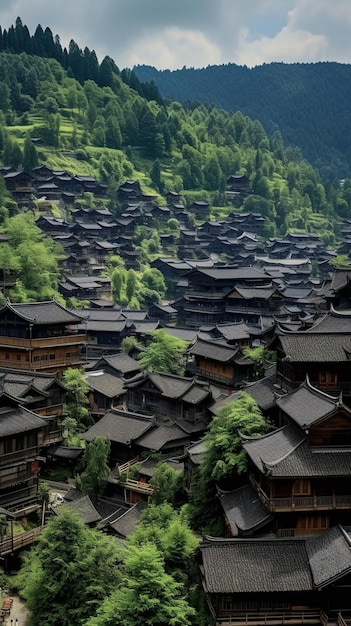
106	123
307	102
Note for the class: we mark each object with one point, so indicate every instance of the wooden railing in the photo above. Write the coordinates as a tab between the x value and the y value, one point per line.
124	467
41	365
17	542
61	340
258	618
20	456
341	621
137	485
303	503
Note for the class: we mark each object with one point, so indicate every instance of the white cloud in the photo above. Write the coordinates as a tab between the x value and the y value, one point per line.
174	48
289	46
196	32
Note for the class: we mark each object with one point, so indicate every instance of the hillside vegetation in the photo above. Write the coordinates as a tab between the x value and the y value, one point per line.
307	102
113	128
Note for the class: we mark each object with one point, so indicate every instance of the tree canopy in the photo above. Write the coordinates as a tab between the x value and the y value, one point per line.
165	353
224	457
69	572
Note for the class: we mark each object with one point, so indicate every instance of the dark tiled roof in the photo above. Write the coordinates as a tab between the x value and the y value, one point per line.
84	508
333	322
234	332
126	523
44	313
256	566
307	348
103	315
160	436
105	383
285	453
104	326
263	391
214	350
307	405
19	420
273	447
303	462
232	273
330	555
187	334
119	426
195	395
169	385
258	293
196	452
120	362
244	510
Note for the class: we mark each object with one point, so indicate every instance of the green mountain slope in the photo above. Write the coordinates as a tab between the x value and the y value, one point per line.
307	102
114	129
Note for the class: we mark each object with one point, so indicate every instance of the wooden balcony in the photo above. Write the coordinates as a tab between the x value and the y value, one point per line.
47	365
303	503
50	438
218	378
70	339
17	542
20	456
138	486
273	618
20	506
194	294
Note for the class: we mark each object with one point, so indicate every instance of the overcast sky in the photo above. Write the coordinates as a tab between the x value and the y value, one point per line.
170	34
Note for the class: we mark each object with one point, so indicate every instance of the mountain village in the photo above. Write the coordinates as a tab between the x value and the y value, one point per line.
226	291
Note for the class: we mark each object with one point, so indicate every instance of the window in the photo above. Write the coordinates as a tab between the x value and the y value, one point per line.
7	446
302	487
328	379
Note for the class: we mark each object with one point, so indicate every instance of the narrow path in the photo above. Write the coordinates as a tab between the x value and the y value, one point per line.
19	612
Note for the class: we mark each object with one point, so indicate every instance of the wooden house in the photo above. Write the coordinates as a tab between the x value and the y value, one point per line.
278	581
21	433
237	184
120	364
301	471
182	400
122	428
200	208
207	293
105	391
250	303
324	356
40	336
218	363
43	394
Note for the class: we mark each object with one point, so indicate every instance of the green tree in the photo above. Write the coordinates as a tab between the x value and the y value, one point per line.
166	482
118	280
153	279
147	595
169	530
164	354
96	470
131	284
76	405
37	258
30	156
224	457
259	356
69	572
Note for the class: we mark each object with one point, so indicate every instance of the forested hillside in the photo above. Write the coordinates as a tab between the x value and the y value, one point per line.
307	102
114	127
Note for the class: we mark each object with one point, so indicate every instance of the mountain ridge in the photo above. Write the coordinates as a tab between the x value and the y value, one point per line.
307	102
